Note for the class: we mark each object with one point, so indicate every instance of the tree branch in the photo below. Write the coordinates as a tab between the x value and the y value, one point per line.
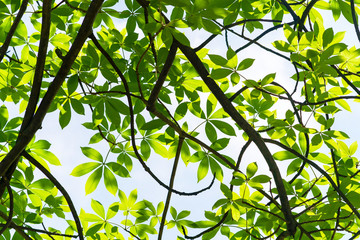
39	116
61	189
171	184
11	33
162	77
253	135
38	76
132	124
11	208
18	229
323	172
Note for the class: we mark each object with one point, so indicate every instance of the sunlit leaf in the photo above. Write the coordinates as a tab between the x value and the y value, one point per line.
84	168
92	153
93	181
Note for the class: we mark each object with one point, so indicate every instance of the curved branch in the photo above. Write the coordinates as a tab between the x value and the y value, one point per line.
291	11
162	77
323	172
11	208
207	230
61	189
40	64
346	79
28	133
305	14
261	35
38	76
18	229
11	33
227	27
132	126
251	132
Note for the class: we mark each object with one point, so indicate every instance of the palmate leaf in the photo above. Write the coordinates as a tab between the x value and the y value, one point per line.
210	132
84	168
118	169
158	148
4	115
224	127
92	153
203	169
93	180
98	208
251	170
47	155
110	181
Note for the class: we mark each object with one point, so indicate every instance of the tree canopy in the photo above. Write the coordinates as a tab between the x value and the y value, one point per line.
170	79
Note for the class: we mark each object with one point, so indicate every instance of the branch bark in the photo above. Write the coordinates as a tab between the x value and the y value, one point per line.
253	135
38	75
11	33
61	189
39	116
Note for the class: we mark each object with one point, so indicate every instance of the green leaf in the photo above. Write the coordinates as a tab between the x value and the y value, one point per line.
245	64
77	106
145	149
153	124
98	208
220	144
64	118
84	168
180	37
173	212
283	155
235	78
220	73
93	181
226	191
112	114
110	181
41	144
92	153
118	169
47	155
218	60
95	138
210	132
44	184
112	210
118	106
210	26
268	79
321	157
251	169
261	179
159	148
181	111
183	214
353	148
98	113
132	198
294	166
224	127
72	84
93	229
13	123
203	169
